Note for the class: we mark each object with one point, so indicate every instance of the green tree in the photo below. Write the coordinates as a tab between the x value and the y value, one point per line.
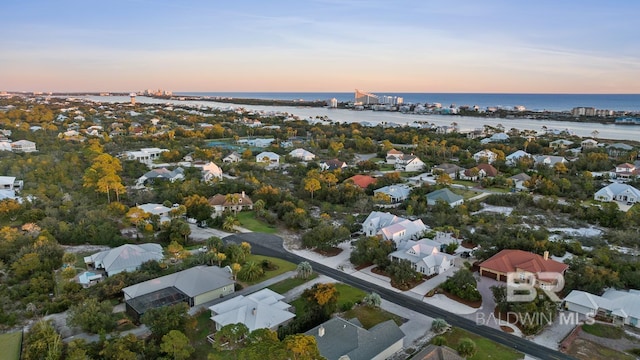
102	176
123	348
439	326
251	271
372	300
198	207
402	272
304	270
321	298
176	345
42	342
466	348
92	316
166	318
232	335
229	223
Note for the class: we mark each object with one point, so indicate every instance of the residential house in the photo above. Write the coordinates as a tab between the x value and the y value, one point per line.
622	307
618	192
194	286
626	171
5	146
450	169
268	157
425	256
619	149
434	352
234	157
127	257
210	172
162	174
518	261
302	154
485	156
392	227
393	155
261	143
519	181
480	171
232	202
397	193
495	138
332	164
513	158
263	309
340	339
146	155
23	146
158	210
549	160
560	144
444	195
409	163
362	181
10	183
588	144
445	129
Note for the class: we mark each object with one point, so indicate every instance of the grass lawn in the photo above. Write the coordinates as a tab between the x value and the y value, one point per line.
587	350
283	267
465	183
10	344
288	284
248	220
603	330
487	349
198	338
370	316
349	294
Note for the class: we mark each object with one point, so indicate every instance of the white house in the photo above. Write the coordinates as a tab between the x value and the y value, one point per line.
393	155
211	171
626	171
232	158
397	193
263	309
560	144
497	137
23	146
409	163
618	192
302	154
392	227
425	256
623	307
589	144
258	142
10	183
513	158
549	160
127	257
268	157
489	155
156	209
146	155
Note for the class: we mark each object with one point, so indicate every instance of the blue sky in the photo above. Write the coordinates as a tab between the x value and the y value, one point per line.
321	45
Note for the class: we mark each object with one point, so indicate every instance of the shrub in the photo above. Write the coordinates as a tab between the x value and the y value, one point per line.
439	340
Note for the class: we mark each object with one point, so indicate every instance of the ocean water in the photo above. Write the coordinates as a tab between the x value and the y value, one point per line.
538	102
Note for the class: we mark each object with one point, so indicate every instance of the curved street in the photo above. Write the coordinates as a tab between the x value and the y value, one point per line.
271	245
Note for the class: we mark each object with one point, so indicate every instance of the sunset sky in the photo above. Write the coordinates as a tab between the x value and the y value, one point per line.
537	46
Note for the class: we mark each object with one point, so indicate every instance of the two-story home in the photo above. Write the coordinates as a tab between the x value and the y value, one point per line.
513	158
626	171
393	155
409	163
425	256
485	155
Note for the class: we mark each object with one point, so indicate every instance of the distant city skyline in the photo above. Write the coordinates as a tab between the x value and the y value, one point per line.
460	46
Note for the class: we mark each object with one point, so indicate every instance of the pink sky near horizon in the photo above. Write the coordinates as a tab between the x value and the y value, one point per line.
433	46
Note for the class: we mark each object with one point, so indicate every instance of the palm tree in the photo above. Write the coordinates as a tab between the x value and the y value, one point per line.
304	270
250	271
234	200
229	223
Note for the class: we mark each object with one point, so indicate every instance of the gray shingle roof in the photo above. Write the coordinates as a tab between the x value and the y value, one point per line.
342	337
193	282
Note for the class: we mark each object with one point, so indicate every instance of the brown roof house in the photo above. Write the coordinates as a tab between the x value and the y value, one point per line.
232	202
362	181
518	261
433	352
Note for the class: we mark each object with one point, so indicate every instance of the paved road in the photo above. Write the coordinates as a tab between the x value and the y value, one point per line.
271	245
